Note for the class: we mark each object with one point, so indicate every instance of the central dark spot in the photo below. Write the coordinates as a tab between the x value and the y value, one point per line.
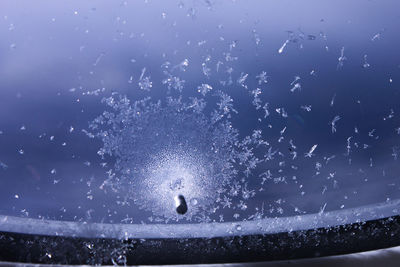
181	205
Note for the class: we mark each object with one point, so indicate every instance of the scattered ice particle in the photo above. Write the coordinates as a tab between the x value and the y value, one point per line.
219	63
226	103
280	50
333	100
256	99
226	202
21	151
229	57
16	196
203	42
266	111
306	108
242	79
270	154
366	64
371	133
144	82
13	46
341	59
71	129
232	45
163	15
52	138
312	72
206	70
87	163
53	171
282	112
377	36
3	165
191	13
238	228
391	115
296	78
311	37
397	130
130	79
390	80
309	154
333	123
183	65
296	86
395	152
204	88
256	37
348	147
262	78
324	189
242	205
23	128
99	57
322	209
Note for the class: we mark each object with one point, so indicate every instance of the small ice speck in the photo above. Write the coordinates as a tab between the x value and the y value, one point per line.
333	123
280	50
204	89
309	154
366	64
341	59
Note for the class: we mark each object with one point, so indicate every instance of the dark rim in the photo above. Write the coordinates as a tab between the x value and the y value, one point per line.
349	238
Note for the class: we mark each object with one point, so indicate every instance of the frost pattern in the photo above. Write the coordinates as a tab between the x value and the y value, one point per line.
166	148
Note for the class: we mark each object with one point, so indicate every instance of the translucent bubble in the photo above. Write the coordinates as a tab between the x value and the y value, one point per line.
194	202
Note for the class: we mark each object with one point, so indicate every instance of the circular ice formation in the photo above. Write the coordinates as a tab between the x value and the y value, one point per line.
163	150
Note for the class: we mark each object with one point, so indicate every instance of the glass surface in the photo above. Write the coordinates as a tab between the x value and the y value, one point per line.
119	112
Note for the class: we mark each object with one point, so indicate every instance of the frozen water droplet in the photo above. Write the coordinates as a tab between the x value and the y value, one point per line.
238	228
180	203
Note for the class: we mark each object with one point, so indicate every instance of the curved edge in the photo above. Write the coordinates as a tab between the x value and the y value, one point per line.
201	230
